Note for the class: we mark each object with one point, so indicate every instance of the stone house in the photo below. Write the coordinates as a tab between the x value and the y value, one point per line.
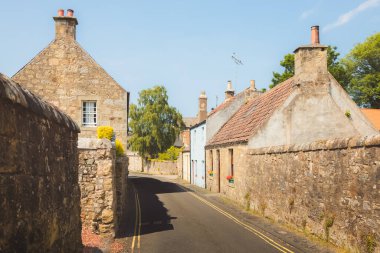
65	75
303	154
308	107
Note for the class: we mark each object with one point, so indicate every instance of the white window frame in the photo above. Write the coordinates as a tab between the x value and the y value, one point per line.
88	113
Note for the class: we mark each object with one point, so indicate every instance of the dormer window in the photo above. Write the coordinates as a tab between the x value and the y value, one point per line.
89	113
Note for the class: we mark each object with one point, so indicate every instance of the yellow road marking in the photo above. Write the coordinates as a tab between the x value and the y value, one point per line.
246	226
137	229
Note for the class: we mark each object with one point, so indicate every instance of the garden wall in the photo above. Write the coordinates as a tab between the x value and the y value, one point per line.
161	167
329	188
103	182
39	191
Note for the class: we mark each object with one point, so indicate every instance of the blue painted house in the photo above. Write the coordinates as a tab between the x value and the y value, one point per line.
197	154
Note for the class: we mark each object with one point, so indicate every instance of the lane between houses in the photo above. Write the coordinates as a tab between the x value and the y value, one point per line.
170	218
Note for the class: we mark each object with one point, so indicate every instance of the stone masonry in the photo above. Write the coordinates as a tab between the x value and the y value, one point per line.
103	182
66	75
328	188
39	191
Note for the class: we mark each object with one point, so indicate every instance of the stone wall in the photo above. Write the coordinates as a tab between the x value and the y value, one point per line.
329	188
135	161
39	191
103	180
161	167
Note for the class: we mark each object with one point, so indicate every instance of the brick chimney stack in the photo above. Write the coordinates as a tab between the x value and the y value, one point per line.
252	85
230	92
65	26
202	113
311	60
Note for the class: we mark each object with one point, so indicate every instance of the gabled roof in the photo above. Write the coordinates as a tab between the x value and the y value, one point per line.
373	116
225	104
252	115
190	121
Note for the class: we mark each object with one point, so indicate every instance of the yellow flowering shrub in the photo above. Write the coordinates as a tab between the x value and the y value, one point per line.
119	148
105	132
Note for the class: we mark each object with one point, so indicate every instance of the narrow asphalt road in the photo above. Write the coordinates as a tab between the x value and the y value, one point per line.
170	218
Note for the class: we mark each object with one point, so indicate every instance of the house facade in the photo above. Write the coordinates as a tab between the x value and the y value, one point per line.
197	155
215	121
65	75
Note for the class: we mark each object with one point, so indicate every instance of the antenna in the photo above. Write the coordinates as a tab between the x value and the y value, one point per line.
237	62
216	101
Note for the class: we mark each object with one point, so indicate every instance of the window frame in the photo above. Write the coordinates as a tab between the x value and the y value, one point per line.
84	114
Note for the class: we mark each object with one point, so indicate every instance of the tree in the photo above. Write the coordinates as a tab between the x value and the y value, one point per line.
334	66
362	65
154	124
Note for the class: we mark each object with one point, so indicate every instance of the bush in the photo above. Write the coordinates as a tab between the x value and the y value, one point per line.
170	155
119	148
105	132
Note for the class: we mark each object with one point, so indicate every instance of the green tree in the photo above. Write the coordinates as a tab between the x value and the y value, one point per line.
154	124
334	66
362	65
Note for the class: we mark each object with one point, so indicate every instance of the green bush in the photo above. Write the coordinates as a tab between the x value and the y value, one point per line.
170	155
105	132
119	148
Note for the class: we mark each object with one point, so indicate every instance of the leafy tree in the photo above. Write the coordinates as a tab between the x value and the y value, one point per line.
170	155
362	65
288	64
154	124
334	66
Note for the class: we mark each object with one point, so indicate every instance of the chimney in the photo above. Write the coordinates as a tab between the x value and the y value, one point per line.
229	91
65	26
311	60
202	114
252	85
315	34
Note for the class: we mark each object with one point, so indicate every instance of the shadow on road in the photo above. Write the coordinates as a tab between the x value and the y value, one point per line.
154	215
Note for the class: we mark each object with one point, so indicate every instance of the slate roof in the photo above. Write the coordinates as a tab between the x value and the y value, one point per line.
252	115
373	115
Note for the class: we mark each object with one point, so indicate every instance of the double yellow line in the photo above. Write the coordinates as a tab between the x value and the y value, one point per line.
244	225
136	235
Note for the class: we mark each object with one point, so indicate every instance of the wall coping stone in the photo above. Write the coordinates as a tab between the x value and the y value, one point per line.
93	143
15	93
332	144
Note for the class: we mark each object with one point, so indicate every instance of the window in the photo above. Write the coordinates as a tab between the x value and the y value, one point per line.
89	115
231	153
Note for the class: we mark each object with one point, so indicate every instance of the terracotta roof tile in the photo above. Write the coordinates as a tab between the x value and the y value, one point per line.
252	115
226	103
373	115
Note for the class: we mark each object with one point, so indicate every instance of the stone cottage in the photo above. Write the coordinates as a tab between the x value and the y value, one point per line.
308	107
217	118
304	154
65	75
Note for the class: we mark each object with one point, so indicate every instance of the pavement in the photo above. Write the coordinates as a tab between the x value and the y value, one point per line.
167	215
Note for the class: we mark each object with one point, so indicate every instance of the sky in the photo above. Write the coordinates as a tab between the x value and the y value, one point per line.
186	45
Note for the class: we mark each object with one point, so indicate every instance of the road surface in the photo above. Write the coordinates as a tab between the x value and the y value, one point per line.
170	218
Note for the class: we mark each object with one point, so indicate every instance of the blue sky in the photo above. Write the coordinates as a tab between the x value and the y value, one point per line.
186	45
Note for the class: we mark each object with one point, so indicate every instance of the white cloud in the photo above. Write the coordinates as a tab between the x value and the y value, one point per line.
306	14
346	17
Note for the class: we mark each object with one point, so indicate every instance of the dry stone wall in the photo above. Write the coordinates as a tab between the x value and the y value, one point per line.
329	188
39	191
103	182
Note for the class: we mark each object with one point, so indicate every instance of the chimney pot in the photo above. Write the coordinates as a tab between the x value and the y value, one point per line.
70	12
61	12
252	85
315	34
